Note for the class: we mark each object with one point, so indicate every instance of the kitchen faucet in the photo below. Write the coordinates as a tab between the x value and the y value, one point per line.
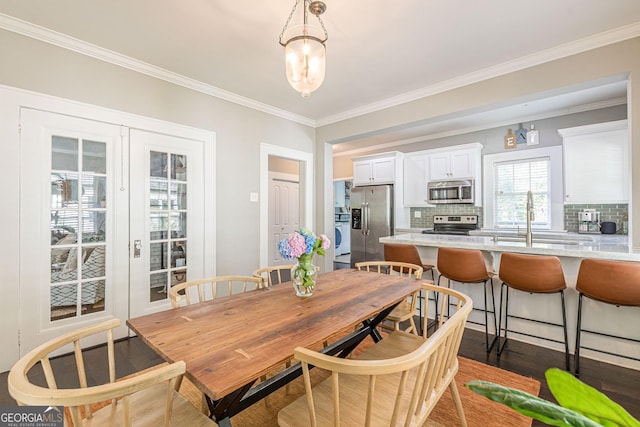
530	217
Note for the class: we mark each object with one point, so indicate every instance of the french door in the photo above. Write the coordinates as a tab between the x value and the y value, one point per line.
72	237
110	218
167	217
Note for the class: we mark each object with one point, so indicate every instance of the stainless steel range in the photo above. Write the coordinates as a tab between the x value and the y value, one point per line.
453	224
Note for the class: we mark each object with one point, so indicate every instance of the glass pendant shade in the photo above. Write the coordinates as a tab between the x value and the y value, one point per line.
305	57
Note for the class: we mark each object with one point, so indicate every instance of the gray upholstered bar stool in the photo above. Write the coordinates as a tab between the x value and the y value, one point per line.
535	274
609	282
409	254
468	266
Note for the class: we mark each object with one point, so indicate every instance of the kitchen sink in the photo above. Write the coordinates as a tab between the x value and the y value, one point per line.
540	240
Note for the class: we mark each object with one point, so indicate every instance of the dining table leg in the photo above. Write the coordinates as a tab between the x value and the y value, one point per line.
222	410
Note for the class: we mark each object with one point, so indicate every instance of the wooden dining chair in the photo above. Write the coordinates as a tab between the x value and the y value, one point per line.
200	290
397	381
406	309
145	399
409	253
274	274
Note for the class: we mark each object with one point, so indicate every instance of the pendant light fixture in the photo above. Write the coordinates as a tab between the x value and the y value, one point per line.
304	49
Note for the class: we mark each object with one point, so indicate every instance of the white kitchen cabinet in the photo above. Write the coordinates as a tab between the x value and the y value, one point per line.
384	168
449	163
374	171
456	164
416	177
596	163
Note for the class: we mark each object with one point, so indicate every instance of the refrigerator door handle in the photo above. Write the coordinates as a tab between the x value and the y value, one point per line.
366	226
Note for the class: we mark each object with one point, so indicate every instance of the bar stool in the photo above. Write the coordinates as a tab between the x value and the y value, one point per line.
409	254
535	274
468	266
609	282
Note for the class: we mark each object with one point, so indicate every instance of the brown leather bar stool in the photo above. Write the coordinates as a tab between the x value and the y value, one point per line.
535	274
609	282
409	254
468	266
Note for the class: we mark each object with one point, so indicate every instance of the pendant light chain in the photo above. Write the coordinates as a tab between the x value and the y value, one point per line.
293	11
286	24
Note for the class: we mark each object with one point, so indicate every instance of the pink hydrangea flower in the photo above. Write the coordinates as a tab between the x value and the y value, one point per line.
297	244
325	242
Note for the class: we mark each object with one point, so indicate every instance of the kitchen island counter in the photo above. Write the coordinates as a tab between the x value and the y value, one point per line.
573	249
613	247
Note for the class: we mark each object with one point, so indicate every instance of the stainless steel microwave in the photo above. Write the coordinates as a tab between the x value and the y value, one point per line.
450	191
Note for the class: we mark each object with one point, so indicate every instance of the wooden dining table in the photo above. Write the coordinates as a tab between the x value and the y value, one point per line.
228	343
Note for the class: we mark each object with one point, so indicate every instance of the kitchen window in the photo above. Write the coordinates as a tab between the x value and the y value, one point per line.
513	179
507	178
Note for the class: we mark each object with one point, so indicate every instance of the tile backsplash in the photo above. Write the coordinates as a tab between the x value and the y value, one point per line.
617	213
426	214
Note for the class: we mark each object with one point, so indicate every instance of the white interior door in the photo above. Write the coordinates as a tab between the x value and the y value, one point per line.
167	217
284	212
72	238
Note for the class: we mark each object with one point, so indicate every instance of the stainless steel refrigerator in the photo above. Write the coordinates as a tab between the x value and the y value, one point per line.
371	219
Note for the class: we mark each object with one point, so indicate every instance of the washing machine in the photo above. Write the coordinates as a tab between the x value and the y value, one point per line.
346	237
337	238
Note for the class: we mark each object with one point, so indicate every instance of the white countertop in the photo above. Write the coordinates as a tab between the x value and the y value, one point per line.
614	247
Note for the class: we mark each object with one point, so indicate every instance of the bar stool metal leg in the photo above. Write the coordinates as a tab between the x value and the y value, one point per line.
488	345
566	338
576	356
425	300
504	290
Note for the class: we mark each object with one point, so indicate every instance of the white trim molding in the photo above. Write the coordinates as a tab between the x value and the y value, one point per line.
67	42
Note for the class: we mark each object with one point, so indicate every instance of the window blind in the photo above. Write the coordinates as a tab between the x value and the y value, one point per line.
513	179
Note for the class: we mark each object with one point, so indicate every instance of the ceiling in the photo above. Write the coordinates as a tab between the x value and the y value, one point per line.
379	53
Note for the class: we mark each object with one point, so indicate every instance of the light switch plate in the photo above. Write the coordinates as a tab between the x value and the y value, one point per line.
253	197
417	214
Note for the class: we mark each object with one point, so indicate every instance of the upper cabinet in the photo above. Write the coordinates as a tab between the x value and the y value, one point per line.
456	164
416	177
596	163
450	163
372	170
384	168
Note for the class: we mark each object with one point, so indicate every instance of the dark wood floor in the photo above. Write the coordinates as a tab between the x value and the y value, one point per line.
620	384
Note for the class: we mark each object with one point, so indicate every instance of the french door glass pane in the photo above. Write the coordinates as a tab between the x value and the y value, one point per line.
158	165
168	222
178	167
94	157
159	225
159	198
78	217
64	153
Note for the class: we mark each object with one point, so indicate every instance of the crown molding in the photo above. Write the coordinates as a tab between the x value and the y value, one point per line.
28	29
55	38
541	57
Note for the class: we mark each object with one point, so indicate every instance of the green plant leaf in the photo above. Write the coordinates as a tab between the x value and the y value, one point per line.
573	394
321	251
530	405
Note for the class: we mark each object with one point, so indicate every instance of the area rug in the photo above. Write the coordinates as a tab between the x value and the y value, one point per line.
479	411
